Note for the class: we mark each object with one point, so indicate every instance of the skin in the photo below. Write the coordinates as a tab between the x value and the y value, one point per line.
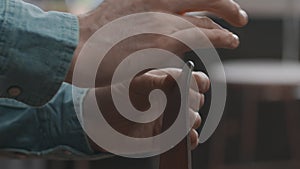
110	10
141	86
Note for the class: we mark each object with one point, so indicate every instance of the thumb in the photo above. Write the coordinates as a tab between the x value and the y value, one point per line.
165	82
149	81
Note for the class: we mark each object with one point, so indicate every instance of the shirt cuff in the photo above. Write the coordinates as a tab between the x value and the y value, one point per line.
36	49
71	117
52	131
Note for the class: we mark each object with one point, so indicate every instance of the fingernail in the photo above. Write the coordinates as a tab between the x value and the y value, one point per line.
235	37
244	17
236	41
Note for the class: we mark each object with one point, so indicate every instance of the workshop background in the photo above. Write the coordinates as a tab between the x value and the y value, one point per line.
260	127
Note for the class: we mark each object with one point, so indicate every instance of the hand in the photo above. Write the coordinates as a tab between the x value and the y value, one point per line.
113	9
140	87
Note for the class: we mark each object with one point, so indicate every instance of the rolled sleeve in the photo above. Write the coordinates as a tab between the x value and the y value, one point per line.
36	49
52	131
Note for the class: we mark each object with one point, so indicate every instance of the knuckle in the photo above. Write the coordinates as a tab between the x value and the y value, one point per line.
215	35
203	82
223	37
219	36
236	9
207	20
207	83
198	121
194	136
202	100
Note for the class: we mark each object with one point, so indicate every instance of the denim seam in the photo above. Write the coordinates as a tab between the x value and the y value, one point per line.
3	39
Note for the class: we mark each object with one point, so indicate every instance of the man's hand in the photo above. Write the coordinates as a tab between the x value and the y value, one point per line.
110	10
140	87
113	9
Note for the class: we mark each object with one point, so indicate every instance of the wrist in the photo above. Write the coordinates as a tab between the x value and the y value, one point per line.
88	24
85	32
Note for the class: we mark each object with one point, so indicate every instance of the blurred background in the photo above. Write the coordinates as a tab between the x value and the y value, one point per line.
260	128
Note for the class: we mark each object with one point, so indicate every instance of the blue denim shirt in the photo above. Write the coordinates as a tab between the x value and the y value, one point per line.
36	49
51	131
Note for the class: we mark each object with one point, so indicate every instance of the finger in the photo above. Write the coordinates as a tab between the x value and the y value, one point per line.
227	9
196	100
230	11
194	138
222	38
202	81
199	38
149	81
165	78
202	22
196	120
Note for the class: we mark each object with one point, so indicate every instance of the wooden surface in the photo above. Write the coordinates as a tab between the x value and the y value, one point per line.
177	158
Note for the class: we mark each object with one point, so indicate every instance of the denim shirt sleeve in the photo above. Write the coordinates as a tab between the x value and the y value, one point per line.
36	50
52	131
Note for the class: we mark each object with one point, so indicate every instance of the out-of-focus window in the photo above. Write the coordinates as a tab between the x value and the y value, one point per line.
270	8
57	5
73	6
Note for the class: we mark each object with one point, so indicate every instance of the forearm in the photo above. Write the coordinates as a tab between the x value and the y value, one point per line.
36	49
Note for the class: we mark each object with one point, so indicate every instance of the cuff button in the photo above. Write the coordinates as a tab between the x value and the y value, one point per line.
14	91
67	152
